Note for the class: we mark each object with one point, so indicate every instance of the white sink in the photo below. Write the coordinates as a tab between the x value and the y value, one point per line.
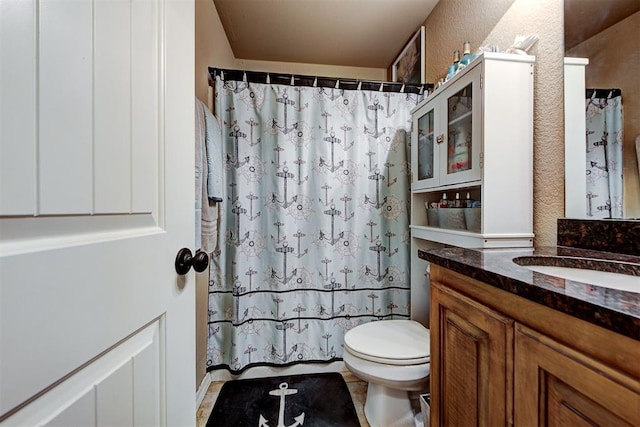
605	279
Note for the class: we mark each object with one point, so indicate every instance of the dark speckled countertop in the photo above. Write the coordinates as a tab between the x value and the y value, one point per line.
612	309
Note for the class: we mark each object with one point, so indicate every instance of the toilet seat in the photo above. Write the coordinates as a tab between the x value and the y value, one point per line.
391	342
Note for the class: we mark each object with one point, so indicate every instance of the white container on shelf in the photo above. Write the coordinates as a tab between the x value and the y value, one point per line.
452	218
472	217
432	216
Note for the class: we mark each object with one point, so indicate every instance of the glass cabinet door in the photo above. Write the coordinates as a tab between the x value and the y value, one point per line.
460	156
460	114
426	156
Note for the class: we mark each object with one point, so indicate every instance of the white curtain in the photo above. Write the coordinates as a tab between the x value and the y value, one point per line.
604	153
315	220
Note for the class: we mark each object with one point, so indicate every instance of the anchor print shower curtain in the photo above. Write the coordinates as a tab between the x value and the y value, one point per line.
315	221
604	153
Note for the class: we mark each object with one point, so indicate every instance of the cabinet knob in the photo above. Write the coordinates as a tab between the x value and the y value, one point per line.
440	138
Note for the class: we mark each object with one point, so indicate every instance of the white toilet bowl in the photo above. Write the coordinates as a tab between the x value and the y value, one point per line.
393	357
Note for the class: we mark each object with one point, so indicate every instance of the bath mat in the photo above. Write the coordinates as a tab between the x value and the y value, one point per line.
315	400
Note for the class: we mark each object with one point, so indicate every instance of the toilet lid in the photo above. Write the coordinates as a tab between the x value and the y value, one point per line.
396	342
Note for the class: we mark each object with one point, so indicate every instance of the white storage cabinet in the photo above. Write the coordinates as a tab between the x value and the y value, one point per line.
474	135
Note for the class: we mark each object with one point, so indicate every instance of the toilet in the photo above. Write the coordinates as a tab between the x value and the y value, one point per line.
393	357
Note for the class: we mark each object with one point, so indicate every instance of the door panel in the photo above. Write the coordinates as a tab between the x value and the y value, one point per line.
566	406
556	385
89	239
112	108
144	121
63	106
17	120
88	88
471	345
466	363
80	412
101	393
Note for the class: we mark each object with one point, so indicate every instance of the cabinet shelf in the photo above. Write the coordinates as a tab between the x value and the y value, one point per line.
468	239
460	118
442	188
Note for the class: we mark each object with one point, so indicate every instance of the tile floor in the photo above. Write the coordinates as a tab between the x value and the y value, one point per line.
357	388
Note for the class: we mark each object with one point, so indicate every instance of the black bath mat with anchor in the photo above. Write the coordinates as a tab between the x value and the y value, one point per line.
315	400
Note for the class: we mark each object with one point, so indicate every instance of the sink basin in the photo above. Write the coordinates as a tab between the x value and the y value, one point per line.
607	274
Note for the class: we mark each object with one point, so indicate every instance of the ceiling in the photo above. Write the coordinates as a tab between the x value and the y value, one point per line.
365	33
585	18
358	33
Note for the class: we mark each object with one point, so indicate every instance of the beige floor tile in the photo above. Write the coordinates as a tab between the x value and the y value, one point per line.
358	390
207	403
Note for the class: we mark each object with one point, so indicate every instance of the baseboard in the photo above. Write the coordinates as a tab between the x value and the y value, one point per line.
202	390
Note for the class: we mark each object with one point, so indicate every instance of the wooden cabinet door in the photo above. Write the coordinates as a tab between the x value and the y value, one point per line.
471	369
557	386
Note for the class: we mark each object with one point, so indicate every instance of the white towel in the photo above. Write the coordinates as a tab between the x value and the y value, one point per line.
213	143
206	209
199	148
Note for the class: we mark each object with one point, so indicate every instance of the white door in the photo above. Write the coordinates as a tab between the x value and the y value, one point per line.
96	198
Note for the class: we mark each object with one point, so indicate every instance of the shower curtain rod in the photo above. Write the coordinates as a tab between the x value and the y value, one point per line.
316	81
603	93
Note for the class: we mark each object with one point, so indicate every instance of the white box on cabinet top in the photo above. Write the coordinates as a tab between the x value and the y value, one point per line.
475	135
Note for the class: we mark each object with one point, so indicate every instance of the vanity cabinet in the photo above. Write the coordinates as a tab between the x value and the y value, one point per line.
499	359
474	135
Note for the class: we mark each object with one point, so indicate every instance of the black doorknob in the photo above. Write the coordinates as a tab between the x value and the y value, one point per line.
185	259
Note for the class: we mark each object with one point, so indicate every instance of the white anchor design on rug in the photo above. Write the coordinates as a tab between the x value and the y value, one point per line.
283	390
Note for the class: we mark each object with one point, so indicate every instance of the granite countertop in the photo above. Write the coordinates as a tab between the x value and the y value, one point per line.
612	309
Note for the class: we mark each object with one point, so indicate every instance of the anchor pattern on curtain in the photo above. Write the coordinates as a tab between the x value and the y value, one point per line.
315	222
605	139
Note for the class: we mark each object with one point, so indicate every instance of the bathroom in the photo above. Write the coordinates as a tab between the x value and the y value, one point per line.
95	324
447	23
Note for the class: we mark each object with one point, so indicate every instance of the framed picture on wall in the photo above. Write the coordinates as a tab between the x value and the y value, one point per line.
409	66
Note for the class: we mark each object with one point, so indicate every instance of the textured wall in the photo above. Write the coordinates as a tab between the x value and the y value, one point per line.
211	45
451	23
497	23
614	62
545	18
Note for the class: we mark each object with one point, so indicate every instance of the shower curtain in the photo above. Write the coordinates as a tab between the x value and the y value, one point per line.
604	153
315	221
